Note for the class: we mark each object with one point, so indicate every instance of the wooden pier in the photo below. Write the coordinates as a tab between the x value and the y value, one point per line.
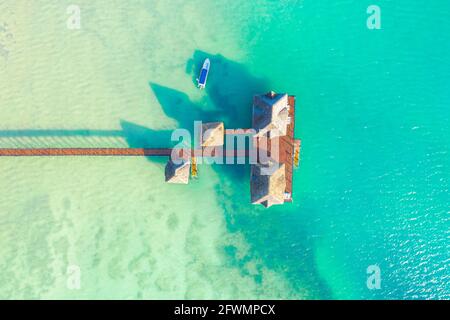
126	152
288	151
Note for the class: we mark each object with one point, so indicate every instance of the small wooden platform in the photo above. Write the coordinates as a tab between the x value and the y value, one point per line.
297	146
287	146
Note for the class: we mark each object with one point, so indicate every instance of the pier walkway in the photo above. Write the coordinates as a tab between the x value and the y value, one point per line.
126	152
289	150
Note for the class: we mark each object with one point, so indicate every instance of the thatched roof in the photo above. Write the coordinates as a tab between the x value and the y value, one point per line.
268	184
270	114
212	134
177	173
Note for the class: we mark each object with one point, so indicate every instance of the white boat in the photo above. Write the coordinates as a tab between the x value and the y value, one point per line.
201	81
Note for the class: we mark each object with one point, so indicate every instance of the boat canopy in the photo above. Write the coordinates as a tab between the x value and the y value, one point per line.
203	74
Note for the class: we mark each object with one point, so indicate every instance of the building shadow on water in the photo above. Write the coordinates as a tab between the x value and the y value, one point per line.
230	90
178	106
36	133
48	138
230	87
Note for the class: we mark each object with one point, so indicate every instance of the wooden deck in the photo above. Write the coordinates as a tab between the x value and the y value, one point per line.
297	146
287	149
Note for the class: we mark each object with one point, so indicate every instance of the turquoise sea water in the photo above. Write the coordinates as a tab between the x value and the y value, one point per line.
372	187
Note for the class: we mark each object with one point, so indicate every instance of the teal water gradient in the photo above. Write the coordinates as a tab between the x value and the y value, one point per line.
373	113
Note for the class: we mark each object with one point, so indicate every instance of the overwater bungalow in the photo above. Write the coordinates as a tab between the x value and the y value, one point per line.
212	134
271	176
268	184
178	173
271	114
